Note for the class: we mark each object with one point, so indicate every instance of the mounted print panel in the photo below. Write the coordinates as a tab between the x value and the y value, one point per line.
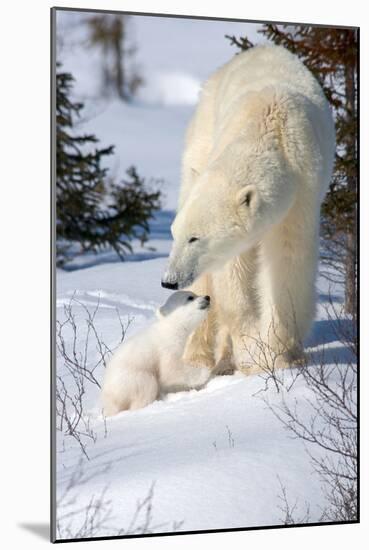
204	184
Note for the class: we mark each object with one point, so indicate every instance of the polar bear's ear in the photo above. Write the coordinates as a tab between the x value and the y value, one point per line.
247	196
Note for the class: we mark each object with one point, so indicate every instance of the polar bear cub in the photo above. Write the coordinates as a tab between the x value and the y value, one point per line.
151	362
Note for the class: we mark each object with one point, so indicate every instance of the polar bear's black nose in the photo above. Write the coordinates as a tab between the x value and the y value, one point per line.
171	286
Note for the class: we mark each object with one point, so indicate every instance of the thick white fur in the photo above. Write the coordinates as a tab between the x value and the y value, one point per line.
151	362
257	162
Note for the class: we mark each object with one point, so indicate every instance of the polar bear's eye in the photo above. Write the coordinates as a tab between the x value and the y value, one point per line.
193	239
189	299
247	198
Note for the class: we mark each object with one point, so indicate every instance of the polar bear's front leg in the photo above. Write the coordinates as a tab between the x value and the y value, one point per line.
287	286
224	361
199	350
237	304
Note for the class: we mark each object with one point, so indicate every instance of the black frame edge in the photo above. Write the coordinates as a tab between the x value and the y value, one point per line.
53	273
53	12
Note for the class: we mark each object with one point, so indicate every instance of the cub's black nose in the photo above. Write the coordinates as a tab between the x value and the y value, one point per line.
207	298
171	286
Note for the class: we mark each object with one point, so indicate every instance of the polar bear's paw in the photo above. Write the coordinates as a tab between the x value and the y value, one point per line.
258	362
224	366
197	376
199	360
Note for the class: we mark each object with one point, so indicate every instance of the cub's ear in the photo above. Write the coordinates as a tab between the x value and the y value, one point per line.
159	314
247	197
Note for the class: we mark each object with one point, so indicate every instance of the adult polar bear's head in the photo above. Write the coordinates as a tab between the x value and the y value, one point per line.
245	192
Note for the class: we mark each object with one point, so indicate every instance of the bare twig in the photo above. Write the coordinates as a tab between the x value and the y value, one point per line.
81	368
289	511
96	518
330	430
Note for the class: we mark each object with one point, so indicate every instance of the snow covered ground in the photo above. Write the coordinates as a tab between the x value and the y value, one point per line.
209	459
213	458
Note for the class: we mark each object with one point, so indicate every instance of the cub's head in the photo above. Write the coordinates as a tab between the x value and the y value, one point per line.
186	308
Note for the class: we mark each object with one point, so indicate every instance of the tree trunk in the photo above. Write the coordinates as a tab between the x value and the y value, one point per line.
351	236
118	53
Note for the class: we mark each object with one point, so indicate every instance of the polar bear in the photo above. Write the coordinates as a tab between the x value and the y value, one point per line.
257	162
151	362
